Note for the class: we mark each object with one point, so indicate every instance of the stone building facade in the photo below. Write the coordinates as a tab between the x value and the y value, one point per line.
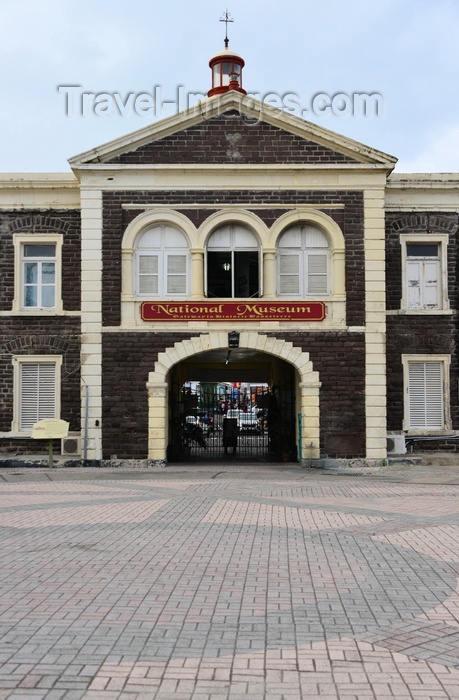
306	218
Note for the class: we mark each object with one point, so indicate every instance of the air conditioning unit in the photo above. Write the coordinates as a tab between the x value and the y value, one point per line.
71	446
396	444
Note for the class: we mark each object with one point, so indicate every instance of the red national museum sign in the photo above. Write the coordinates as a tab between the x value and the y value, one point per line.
233	311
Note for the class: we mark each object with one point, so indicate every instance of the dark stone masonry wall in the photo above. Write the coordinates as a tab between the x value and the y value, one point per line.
39	335
349	218
230	138
340	360
129	357
67	222
418	335
419	222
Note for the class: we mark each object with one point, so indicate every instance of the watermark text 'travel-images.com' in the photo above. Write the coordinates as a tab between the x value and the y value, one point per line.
82	103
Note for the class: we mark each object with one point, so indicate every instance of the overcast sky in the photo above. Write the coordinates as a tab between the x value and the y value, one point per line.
406	51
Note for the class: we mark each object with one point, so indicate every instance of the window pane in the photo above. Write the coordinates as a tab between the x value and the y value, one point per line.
176	264
289	284
48	273
221	238
303	236
226	70
246	274
289	280
314	237
243	238
39	251
31	273
291	238
219	274
148	274
422	250
317	274
289	264
176	285
148	264
47	296
176	274
30	296
148	284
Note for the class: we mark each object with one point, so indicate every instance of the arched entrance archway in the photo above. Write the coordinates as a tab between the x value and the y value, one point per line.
308	386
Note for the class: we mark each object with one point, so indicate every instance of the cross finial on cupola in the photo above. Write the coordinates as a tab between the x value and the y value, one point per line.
226	66
226	17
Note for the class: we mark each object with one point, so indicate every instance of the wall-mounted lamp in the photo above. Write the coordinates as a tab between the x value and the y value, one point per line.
226	266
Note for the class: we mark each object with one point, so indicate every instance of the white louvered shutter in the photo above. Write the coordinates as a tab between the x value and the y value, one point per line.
176	274
37	393
289	274
317	273
425	395
148	274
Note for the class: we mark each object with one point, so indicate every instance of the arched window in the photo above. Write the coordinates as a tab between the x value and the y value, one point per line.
233	263
162	262
303	262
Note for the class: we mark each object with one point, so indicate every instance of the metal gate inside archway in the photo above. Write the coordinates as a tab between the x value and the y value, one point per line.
232	421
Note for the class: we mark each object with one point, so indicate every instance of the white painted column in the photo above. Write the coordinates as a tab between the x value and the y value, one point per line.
197	274
269	274
310	444
375	324
157	417
91	318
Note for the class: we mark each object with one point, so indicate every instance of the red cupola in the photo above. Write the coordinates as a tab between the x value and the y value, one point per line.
226	68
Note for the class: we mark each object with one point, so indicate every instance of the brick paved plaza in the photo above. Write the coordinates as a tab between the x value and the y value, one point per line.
211	583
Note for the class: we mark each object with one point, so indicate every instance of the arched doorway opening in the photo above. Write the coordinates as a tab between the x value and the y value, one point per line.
235	403
284	360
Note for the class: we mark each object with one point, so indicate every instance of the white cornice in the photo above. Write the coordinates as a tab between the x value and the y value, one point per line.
230	167
423	181
423	192
38	180
237	177
21	191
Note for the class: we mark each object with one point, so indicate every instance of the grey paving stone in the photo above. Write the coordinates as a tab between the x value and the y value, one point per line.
265	582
